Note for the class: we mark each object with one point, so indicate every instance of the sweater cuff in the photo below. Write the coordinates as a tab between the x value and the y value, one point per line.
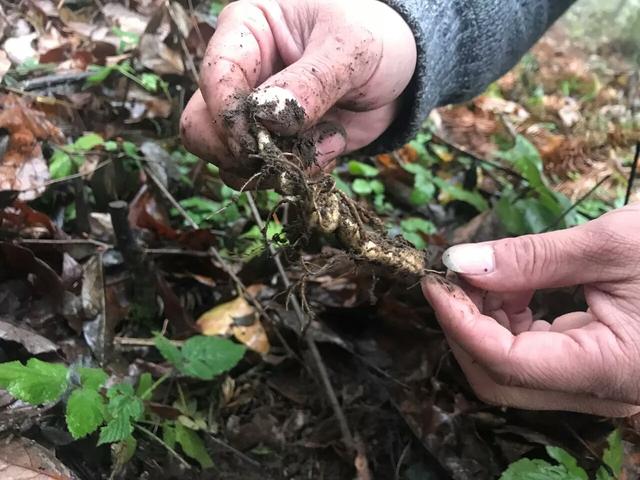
423	92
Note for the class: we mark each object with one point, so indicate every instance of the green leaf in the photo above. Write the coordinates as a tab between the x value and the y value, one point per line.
216	8
92	378
526	469
124	408
110	146
88	142
116	430
168	350
613	457
193	446
60	165
144	384
362	186
36	382
130	149
457	193
126	450
423	186
415	224
342	185
100	74
415	239
208	357
568	461
85	412
169	434
360	169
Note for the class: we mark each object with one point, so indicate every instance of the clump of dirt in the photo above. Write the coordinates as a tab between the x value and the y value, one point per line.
325	209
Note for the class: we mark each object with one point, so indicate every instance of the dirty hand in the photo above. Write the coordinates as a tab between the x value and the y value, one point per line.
582	361
345	63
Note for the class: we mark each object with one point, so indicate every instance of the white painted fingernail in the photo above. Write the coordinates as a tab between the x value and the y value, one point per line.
470	259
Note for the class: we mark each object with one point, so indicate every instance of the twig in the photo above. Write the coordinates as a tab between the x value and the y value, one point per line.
237	452
169	449
141	342
405	450
576	204
67	178
70	241
177	251
313	348
633	174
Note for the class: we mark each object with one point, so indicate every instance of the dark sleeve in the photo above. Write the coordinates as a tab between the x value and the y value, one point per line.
463	46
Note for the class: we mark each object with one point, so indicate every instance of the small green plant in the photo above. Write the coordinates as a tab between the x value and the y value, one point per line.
128	40
367	185
216	7
567	467
151	82
118	409
66	160
539	208
414	229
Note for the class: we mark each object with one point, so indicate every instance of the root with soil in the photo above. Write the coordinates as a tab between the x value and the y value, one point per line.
327	210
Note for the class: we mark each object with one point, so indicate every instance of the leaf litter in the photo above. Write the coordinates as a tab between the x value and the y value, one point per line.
88	282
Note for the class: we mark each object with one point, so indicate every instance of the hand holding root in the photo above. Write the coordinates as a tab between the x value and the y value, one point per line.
329	211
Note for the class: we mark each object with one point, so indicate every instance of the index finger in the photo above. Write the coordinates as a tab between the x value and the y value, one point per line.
239	57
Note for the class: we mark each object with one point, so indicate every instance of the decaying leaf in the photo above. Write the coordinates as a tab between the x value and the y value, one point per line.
23	167
238	318
31	341
24	459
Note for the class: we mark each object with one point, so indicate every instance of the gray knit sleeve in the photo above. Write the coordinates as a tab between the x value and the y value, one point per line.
463	45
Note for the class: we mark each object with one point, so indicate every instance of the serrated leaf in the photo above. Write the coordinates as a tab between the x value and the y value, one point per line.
60	165
193	446
526	469
208	357
88	142
116	430
123	409
36	382
85	412
92	378
565	459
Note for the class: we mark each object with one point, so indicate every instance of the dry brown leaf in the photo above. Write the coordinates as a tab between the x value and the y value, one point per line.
23	167
24	459
30	340
238	318
127	20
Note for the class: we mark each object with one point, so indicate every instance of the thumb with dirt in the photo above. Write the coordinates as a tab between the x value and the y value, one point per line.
586	361
321	70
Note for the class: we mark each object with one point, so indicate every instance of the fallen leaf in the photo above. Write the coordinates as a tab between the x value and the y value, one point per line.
24	459
5	64
20	49
31	341
239	318
23	167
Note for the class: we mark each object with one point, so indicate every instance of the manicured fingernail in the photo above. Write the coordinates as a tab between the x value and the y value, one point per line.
279	107
470	259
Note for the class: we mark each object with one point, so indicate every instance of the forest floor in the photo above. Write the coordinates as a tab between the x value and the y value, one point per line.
284	361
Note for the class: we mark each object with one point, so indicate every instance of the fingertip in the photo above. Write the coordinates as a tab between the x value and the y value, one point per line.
278	109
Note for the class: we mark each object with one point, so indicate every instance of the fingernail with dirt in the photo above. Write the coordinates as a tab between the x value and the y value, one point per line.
470	259
278	109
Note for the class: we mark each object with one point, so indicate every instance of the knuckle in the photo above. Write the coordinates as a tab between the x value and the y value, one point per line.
531	254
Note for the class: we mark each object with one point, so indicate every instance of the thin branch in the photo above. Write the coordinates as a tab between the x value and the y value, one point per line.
633	174
576	204
70	177
169	449
347	437
237	452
